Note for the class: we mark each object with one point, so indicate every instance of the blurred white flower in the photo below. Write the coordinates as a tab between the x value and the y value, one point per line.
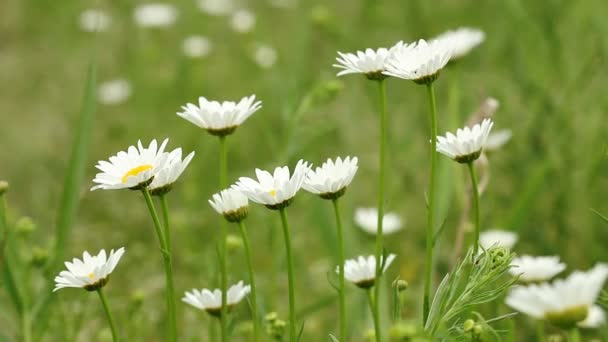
502	238
211	301
174	167
230	203
467	144
275	191
114	92
155	15
564	302
91	273
265	56
367	220
420	61
362	271
242	21
94	20
371	63
462	40
596	317
134	169
217	7
533	269
196	46
285	4
498	139
220	118
331	179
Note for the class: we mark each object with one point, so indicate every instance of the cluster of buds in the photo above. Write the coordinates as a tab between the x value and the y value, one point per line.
275	327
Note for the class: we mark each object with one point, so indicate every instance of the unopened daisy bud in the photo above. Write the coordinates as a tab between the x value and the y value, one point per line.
91	273
25	226
275	327
137	297
233	243
400	285
468	325
467	144
231	203
39	256
362	271
478	330
402	331
331	179
211	301
271	316
3	187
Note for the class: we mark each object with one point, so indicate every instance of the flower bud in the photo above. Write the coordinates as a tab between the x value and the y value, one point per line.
25	226
402	331
39	256
400	285
233	242
468	325
3	187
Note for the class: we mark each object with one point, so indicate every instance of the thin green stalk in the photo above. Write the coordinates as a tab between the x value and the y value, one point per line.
475	207
254	301
169	293
342	301
168	247
574	335
374	310
26	326
381	178
430	227
540	330
223	160
290	278
106	308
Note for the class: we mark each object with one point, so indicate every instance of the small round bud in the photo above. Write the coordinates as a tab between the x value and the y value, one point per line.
39	256
233	242
468	325
400	284
271	316
3	187
25	226
137	297
477	330
402	331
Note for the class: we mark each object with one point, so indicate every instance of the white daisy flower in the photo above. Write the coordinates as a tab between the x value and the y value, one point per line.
502	238
196	47
362	271
134	169
420	61
331	179
462	40
155	15
265	56
94	20
217	118
533	269
217	7
91	273
367	220
275	191
565	302
467	144
498	139
174	167
242	21
231	203
371	63
211	301
595	318
114	92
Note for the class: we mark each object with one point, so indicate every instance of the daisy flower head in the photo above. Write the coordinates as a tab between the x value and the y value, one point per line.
462	40
371	63
174	167
220	118
536	269
502	238
196	46
211	301
496	140
91	273
596	317
277	190
467	144
242	21
420	61
331	179
134	169
367	220
155	15
565	302
114	92
231	203
362	270
94	20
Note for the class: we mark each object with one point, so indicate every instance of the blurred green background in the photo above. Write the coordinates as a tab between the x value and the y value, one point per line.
545	61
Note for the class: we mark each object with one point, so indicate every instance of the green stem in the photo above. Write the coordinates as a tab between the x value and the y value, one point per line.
381	176
574	335
374	310
166	254
106	308
540	330
290	278
342	301
254	301
430	227
26	326
223	161
168	246
475	207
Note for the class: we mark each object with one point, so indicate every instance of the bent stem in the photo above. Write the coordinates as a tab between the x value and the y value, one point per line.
374	309
430	227
223	273
166	254
290	278
106	308
170	289
475	207
381	176
254	302
342	302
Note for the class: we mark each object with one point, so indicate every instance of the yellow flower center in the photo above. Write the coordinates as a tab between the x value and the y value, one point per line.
273	193
91	276
135	171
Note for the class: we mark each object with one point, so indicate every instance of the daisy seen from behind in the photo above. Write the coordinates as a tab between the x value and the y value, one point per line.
362	270
371	63
331	179
467	144
536	269
211	300
367	220
462	40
